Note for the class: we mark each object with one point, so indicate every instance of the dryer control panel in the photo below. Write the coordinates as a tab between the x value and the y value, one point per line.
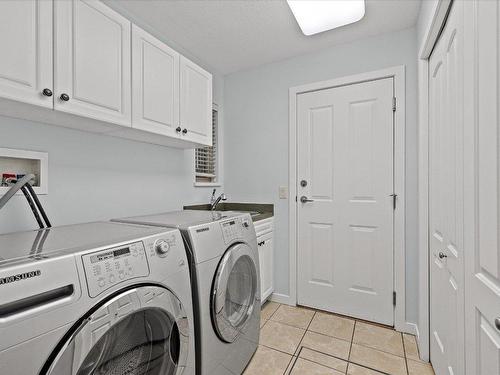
106	268
231	229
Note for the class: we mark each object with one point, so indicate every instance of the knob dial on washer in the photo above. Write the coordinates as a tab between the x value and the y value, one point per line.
162	247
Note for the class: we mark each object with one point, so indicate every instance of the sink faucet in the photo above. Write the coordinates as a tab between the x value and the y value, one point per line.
215	201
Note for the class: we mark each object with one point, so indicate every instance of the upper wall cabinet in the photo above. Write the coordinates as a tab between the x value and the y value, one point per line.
26	51
92	61
93	70
155	85
196	103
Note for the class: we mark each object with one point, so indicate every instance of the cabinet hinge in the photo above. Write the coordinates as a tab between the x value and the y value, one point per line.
394	298
393	104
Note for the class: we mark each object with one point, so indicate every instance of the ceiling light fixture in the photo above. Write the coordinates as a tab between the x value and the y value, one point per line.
316	16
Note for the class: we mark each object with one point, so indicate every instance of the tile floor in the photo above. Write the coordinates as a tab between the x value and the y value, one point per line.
303	341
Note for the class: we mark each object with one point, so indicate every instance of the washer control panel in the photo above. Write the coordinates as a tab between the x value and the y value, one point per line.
106	268
231	229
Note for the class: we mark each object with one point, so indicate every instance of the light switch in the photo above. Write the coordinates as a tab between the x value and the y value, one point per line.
283	192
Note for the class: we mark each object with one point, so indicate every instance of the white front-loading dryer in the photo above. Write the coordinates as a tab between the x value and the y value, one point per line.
96	298
223	254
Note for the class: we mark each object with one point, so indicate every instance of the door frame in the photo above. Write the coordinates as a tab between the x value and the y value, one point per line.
399	266
431	36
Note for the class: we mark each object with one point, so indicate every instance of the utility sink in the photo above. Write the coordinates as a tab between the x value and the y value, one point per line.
257	211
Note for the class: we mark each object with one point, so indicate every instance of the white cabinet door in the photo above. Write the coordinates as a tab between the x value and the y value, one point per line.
266	255
92	61
195	103
155	85
26	51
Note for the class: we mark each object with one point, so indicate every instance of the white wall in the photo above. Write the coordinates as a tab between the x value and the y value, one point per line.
256	133
98	177
427	10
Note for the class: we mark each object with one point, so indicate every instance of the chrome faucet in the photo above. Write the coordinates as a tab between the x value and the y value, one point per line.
215	201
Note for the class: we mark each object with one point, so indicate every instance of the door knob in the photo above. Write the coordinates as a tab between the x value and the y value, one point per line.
64	97
178	129
303	183
497	323
184	131
47	92
442	255
304	199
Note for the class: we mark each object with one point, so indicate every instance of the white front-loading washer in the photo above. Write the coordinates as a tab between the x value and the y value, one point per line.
223	254
96	298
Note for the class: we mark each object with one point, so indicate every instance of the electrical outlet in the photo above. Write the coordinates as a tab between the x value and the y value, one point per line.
283	192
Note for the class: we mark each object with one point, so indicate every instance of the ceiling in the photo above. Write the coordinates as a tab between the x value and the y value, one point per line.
232	35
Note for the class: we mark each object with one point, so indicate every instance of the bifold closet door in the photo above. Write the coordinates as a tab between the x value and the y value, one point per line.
446	197
483	257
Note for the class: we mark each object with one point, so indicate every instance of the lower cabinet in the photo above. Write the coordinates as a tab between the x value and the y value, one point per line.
265	242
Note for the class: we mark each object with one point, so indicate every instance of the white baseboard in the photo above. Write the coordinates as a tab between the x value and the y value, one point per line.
282	298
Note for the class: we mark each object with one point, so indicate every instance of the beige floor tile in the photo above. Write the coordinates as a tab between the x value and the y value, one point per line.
411	348
304	367
281	336
262	322
332	325
360	370
268	361
268	309
377	360
419	368
380	338
295	316
323	359
326	344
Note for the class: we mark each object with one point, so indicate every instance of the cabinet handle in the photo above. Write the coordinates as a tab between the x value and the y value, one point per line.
47	92
184	131
178	129
64	97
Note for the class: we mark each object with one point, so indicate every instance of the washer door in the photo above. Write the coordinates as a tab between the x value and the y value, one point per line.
235	292
140	331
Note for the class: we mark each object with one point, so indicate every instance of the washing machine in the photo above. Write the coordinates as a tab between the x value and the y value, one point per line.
96	298
224	263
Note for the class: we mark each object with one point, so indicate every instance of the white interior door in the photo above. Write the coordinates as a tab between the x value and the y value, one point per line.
92	61
446	197
483	255
345	233
26	51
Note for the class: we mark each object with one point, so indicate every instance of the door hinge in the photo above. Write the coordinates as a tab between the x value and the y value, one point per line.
394	298
393	104
296	200
394	200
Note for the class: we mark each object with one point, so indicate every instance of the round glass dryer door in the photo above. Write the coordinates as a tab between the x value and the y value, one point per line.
235	292
141	331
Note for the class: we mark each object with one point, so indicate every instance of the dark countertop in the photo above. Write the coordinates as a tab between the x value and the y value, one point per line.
259	211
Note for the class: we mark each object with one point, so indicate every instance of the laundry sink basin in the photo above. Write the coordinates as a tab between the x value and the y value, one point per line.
256	210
